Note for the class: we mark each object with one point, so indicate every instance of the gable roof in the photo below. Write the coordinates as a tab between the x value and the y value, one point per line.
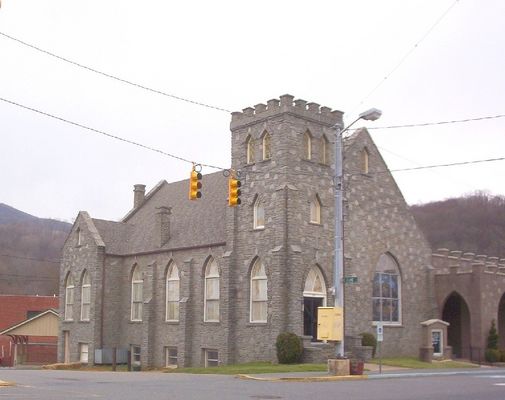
192	223
43	324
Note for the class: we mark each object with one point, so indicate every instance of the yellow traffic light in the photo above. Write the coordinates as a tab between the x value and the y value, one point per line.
233	192
195	185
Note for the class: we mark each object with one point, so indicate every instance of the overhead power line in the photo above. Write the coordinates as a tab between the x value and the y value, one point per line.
96	71
406	55
108	134
455	121
29	258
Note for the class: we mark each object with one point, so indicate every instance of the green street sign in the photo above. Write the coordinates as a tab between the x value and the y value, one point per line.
350	279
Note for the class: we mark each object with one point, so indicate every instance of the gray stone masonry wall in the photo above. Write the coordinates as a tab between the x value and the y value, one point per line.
377	221
288	245
480	281
75	260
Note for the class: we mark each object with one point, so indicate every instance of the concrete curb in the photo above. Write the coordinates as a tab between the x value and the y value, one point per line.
304	378
5	383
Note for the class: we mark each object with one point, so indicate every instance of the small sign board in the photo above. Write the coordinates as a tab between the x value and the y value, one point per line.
380	333
351	279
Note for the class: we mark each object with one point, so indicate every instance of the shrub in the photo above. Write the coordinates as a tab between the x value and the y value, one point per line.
368	339
492	355
492	338
289	348
502	355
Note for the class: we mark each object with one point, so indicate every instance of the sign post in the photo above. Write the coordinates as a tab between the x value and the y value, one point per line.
380	339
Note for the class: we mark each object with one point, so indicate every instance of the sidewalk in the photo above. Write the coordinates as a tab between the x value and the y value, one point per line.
371	372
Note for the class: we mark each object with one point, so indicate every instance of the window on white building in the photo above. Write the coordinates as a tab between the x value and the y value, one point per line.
211	306
136	294
172	288
69	298
85	296
386	295
259	289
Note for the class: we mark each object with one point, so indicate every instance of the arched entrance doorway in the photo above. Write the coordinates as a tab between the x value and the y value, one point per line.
501	323
314	295
456	312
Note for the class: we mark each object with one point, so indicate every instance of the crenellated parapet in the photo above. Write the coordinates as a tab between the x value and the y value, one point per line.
286	104
456	262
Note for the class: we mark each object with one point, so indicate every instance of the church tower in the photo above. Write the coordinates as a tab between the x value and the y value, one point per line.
281	236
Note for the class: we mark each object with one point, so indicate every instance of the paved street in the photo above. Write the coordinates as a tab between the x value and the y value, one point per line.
70	385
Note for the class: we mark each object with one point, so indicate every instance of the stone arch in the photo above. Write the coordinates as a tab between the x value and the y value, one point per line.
314	295
457	313
501	322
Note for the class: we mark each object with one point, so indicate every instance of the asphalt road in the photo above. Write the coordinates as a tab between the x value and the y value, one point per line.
72	385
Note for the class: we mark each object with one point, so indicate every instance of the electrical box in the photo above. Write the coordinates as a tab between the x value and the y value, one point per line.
330	323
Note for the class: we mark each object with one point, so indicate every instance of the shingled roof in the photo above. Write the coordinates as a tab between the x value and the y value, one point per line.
192	223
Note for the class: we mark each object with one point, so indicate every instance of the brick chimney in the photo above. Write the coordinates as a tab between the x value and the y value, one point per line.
139	192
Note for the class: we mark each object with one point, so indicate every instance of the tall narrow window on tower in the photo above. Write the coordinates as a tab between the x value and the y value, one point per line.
315	210
324	150
259	292
69	298
249	150
307	146
259	214
266	146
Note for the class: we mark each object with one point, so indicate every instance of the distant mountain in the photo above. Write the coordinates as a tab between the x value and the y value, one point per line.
30	249
474	223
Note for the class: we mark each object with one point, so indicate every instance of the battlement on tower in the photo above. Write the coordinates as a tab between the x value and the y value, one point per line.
286	104
456	262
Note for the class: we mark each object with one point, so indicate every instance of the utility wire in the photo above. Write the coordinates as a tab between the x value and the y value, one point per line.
402	60
29	258
455	121
138	85
108	134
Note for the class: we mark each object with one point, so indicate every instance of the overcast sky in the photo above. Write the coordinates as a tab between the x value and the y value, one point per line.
234	54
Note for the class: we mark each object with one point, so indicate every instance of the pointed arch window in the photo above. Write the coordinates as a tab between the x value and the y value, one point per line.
307	145
386	295
314	284
69	298
85	296
315	210
364	160
324	150
259	214
137	285
259	293
250	150
266	146
172	293
211	306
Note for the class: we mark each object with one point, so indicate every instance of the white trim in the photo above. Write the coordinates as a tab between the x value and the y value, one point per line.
139	282
211	276
170	278
254	277
86	286
256	206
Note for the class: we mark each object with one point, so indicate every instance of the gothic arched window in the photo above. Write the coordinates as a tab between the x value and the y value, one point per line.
259	293
211	295
172	293
307	146
85	296
267	154
69	298
137	286
249	150
386	296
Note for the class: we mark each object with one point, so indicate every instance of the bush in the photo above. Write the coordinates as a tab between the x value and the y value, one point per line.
368	339
492	355
502	355
492	338
289	348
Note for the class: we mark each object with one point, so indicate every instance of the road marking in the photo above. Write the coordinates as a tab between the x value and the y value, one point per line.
499	384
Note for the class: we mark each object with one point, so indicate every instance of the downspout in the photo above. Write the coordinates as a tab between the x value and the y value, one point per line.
286	255
102	298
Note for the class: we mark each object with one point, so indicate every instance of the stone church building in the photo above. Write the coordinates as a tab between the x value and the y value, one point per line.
198	283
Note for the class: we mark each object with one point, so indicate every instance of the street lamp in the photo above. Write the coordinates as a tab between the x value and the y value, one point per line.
338	284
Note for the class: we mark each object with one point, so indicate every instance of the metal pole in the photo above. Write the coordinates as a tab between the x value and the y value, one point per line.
339	253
